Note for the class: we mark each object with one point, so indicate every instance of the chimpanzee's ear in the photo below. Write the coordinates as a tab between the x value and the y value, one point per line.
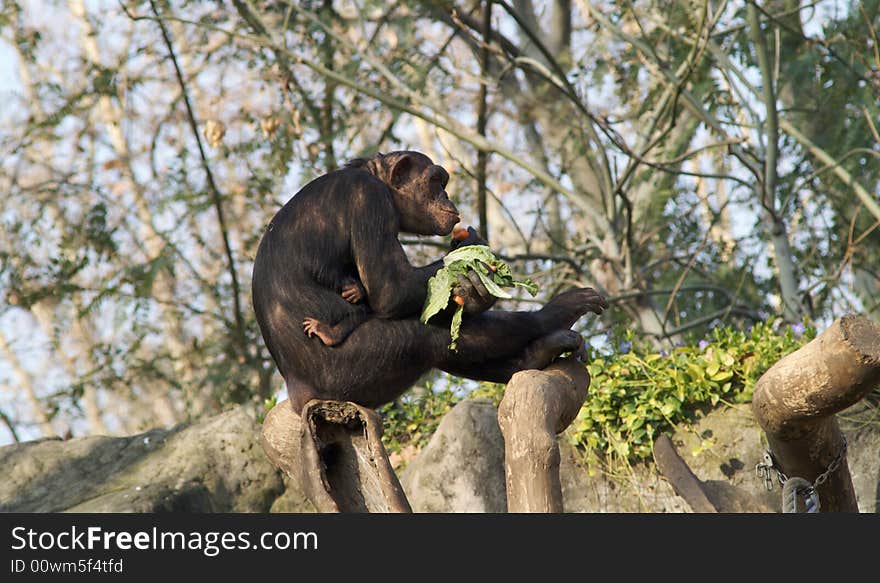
400	169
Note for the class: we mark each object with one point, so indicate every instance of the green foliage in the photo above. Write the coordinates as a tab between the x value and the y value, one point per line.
413	419
636	392
492	391
268	405
642	392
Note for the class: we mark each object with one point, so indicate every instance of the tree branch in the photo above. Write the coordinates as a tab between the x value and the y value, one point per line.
791	130
440	120
482	119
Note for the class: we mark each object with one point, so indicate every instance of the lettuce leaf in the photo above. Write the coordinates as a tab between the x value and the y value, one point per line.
439	289
458	262
471	253
455	327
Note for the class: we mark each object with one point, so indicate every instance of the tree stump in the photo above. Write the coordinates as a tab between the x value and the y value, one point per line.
335	450
538	405
280	438
795	402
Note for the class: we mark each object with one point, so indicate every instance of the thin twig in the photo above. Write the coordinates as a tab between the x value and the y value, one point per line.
217	197
10	426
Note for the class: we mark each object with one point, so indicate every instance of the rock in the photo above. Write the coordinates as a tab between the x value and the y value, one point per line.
723	446
725	463
729	498
738	443
629	488
462	467
860	426
293	500
216	465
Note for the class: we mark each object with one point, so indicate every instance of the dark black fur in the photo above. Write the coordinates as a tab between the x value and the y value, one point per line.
343	226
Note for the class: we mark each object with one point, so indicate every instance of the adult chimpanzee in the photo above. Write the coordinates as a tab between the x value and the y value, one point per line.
330	265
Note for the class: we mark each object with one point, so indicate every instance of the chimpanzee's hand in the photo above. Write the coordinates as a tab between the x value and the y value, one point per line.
477	298
472	238
352	291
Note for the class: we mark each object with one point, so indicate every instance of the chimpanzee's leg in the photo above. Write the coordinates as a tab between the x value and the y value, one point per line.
409	349
499	335
539	354
299	393
495	345
378	361
382	358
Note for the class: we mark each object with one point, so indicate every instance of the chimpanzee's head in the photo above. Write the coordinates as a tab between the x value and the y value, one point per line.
419	189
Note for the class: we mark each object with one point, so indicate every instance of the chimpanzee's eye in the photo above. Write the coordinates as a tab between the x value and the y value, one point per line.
438	178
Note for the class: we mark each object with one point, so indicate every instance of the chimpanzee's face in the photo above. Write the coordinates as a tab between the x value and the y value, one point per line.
424	206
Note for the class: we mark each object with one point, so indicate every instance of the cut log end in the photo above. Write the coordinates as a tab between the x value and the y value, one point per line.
342	413
823	377
863	336
335	451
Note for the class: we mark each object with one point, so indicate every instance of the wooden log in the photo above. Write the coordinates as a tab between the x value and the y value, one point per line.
281	439
679	474
538	405
795	402
335	450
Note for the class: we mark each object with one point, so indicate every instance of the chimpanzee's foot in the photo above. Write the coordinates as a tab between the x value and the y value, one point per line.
314	327
581	354
543	351
564	310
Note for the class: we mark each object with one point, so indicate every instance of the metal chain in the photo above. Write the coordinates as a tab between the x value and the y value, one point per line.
798	486
832	467
763	471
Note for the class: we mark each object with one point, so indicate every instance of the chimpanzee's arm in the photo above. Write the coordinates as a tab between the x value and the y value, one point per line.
395	288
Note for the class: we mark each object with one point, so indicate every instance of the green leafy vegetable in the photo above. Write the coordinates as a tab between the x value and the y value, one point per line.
458	262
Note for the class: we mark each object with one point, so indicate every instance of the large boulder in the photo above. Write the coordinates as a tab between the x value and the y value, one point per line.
723	447
859	424
216	465
625	488
462	467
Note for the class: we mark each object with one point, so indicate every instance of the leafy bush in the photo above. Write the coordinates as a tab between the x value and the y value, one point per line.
412	420
636	392
640	392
